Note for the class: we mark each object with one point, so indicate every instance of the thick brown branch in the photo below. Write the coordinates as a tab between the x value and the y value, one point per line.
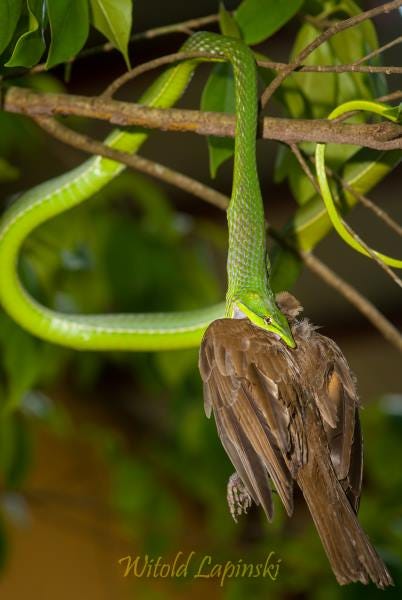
380	136
210	195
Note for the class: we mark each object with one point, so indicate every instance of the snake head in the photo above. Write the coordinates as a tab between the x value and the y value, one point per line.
262	311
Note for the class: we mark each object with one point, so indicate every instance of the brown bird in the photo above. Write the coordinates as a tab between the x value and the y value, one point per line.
291	415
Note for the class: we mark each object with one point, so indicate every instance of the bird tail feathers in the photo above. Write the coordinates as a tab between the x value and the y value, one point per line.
349	551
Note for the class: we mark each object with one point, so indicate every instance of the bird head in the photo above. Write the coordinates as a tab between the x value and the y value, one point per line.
263	312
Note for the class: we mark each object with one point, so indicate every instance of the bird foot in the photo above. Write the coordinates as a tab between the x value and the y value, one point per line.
239	500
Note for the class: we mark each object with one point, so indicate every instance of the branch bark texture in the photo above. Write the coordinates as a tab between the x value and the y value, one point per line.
380	136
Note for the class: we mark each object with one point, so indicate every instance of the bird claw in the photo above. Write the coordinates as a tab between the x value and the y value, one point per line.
239	500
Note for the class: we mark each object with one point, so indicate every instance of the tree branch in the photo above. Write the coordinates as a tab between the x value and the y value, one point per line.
380	136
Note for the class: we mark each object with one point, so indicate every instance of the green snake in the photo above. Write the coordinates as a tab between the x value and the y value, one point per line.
248	292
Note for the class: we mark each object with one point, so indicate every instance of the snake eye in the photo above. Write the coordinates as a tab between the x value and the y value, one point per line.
268	320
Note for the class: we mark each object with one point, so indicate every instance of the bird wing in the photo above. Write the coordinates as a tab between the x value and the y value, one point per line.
334	389
251	390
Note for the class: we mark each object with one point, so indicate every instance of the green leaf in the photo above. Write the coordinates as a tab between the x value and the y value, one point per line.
227	24
113	18
31	44
69	24
10	11
219	96
259	19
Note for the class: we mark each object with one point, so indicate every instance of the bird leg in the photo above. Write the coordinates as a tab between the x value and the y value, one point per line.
239	500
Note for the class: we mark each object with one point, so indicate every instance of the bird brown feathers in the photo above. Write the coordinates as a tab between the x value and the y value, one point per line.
291	416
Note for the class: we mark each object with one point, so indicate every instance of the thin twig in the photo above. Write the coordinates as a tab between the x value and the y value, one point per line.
306	169
380	136
323	37
346	68
220	200
379	50
397	95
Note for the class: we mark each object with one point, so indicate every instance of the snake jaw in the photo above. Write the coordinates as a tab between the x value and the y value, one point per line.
262	311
